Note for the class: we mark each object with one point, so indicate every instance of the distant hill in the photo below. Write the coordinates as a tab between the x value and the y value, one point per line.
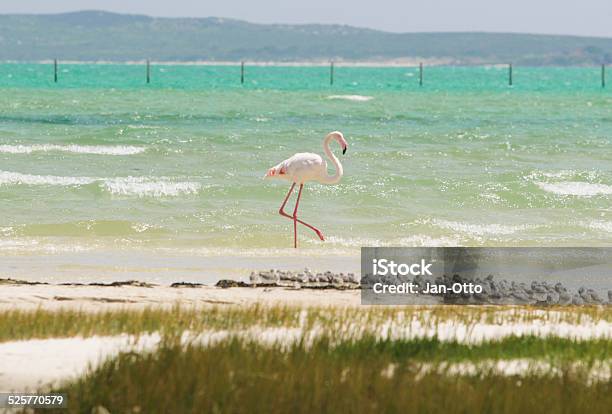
97	35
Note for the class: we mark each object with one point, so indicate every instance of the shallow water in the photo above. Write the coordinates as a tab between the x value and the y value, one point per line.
103	161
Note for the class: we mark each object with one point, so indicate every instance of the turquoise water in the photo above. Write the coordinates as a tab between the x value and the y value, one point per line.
299	78
101	159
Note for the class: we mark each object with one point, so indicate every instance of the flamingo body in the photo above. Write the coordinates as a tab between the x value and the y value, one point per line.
306	166
302	167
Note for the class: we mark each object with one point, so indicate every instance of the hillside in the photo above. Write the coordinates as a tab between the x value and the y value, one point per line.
96	35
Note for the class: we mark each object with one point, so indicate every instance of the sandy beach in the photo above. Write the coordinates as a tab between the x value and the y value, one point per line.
52	297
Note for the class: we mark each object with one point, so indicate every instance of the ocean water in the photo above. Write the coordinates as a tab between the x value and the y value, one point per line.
102	161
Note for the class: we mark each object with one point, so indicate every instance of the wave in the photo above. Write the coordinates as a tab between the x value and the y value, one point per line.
354	98
576	188
424	240
36	246
143	187
410	241
356	241
73	148
601	225
13	178
481	229
17	244
97	228
128	186
540	176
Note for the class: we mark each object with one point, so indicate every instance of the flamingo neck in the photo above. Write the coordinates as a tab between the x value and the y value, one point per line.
331	179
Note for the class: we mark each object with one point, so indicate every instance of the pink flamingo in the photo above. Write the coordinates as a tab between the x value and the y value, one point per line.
306	166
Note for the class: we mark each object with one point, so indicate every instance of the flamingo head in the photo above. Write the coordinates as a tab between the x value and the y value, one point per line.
340	138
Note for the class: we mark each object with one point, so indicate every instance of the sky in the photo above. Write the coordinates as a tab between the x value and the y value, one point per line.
576	17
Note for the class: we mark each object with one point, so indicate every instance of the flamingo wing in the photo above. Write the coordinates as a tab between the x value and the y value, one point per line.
301	167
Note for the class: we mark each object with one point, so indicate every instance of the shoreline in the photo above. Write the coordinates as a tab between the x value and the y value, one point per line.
164	267
25	295
92	298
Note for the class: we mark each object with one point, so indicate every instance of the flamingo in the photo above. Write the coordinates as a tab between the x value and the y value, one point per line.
306	166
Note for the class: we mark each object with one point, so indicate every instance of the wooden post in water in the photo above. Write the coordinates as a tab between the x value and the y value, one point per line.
148	71
241	73
55	70
331	73
510	74
421	74
603	75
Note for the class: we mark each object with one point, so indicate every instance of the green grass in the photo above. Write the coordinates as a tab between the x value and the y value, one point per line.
557	350
19	324
242	377
353	363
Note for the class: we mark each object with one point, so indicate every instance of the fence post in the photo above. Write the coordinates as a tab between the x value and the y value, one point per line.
241	72
510	74
603	75
55	70
421	74
148	71
331	73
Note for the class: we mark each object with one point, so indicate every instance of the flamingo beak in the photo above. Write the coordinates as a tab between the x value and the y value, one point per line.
344	149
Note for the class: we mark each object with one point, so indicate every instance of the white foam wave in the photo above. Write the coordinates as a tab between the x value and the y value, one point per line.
480	229
576	188
560	174
130	186
355	241
411	241
16	244
354	98
7	231
147	188
601	225
13	178
567	175
142	227
72	148
423	240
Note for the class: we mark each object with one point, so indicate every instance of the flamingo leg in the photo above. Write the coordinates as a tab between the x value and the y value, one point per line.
313	228
282	212
297	204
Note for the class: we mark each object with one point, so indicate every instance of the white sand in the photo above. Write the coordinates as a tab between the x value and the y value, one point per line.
480	332
29	365
597	372
51	297
473	333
